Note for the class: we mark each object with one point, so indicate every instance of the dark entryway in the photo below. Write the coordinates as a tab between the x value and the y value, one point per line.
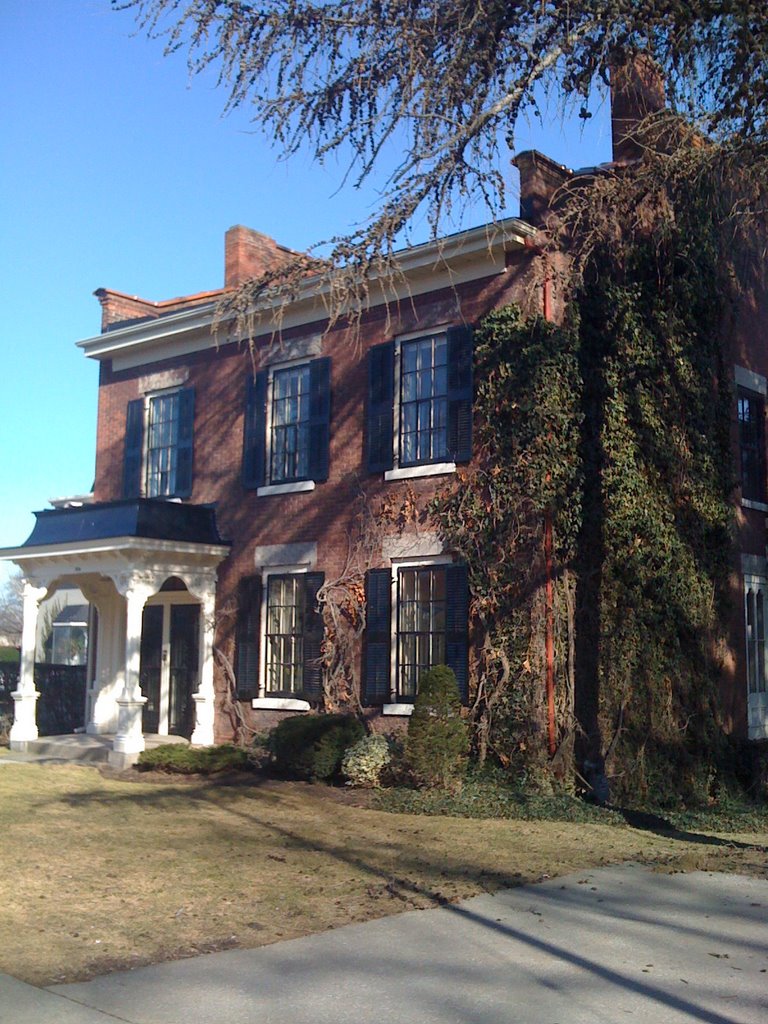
169	668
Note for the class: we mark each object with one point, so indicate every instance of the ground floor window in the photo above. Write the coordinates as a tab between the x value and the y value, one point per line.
416	618
755	599
279	636
420	626
285	634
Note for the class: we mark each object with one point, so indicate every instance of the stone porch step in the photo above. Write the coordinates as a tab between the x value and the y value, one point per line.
83	748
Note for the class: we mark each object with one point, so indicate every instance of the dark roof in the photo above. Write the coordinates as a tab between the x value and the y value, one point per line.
147	518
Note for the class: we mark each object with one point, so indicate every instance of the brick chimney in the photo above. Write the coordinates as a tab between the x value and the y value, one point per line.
637	90
540	178
248	253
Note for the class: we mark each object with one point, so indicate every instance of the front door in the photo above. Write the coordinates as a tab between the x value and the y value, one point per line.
169	668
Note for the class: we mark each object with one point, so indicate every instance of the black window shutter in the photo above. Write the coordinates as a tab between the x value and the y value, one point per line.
248	637
314	631
255	431
184	447
134	444
319	417
460	393
378	639
457	625
380	407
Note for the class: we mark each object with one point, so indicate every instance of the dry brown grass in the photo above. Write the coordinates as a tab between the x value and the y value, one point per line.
100	873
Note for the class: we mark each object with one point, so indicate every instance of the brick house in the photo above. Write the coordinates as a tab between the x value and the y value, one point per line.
225	488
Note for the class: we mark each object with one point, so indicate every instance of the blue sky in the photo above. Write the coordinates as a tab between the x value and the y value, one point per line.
117	170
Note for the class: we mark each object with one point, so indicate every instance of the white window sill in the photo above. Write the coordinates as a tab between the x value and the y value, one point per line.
298	487
409	472
758	506
280	704
397	709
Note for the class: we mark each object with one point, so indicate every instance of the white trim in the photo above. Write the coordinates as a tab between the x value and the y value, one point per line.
758	506
280	704
427	469
295	487
404	710
465	256
750	381
113	545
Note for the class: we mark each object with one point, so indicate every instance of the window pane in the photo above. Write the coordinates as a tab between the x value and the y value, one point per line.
423	407
420	625
751	413
290	425
285	643
162	441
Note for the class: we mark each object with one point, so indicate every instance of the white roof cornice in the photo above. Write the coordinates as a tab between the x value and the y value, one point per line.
464	256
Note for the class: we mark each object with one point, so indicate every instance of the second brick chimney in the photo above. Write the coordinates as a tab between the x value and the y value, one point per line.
248	253
637	90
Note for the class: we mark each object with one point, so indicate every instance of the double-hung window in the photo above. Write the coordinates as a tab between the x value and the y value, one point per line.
755	614
416	618
751	413
289	447
279	636
424	401
158	445
419	406
287	427
421	619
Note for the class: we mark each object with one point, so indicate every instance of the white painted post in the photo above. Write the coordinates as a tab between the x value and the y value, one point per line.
204	698
25	698
129	741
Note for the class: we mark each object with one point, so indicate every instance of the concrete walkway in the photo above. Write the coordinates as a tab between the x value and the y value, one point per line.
601	947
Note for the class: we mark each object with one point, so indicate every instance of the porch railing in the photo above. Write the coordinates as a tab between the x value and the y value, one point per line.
61	707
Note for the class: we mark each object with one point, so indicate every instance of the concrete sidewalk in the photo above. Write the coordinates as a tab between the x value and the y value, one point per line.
603	946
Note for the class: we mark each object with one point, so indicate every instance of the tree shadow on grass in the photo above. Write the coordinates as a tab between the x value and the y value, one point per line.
645	821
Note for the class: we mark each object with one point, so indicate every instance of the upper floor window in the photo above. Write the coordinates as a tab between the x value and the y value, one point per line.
751	411
289	455
424	401
287	425
419	408
158	445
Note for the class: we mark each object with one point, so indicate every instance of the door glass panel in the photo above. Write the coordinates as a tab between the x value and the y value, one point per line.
151	665
185	620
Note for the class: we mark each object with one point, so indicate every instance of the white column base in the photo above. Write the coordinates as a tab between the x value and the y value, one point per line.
24	726
204	715
129	740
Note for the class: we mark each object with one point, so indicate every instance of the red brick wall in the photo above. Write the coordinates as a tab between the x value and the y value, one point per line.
219	378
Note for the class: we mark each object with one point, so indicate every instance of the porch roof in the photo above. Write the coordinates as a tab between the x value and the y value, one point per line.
140	518
115	536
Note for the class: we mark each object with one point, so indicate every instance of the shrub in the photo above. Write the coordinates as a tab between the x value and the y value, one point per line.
313	746
185	760
438	741
364	762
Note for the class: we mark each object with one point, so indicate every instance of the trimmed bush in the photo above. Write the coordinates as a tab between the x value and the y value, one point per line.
438	741
312	746
180	759
364	762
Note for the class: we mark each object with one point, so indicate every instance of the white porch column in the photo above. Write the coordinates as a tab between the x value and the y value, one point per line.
24	726
204	587
129	741
103	686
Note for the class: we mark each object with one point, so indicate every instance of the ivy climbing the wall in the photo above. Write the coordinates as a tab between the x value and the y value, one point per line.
615	426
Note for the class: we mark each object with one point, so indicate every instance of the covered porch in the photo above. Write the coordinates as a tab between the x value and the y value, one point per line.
148	568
